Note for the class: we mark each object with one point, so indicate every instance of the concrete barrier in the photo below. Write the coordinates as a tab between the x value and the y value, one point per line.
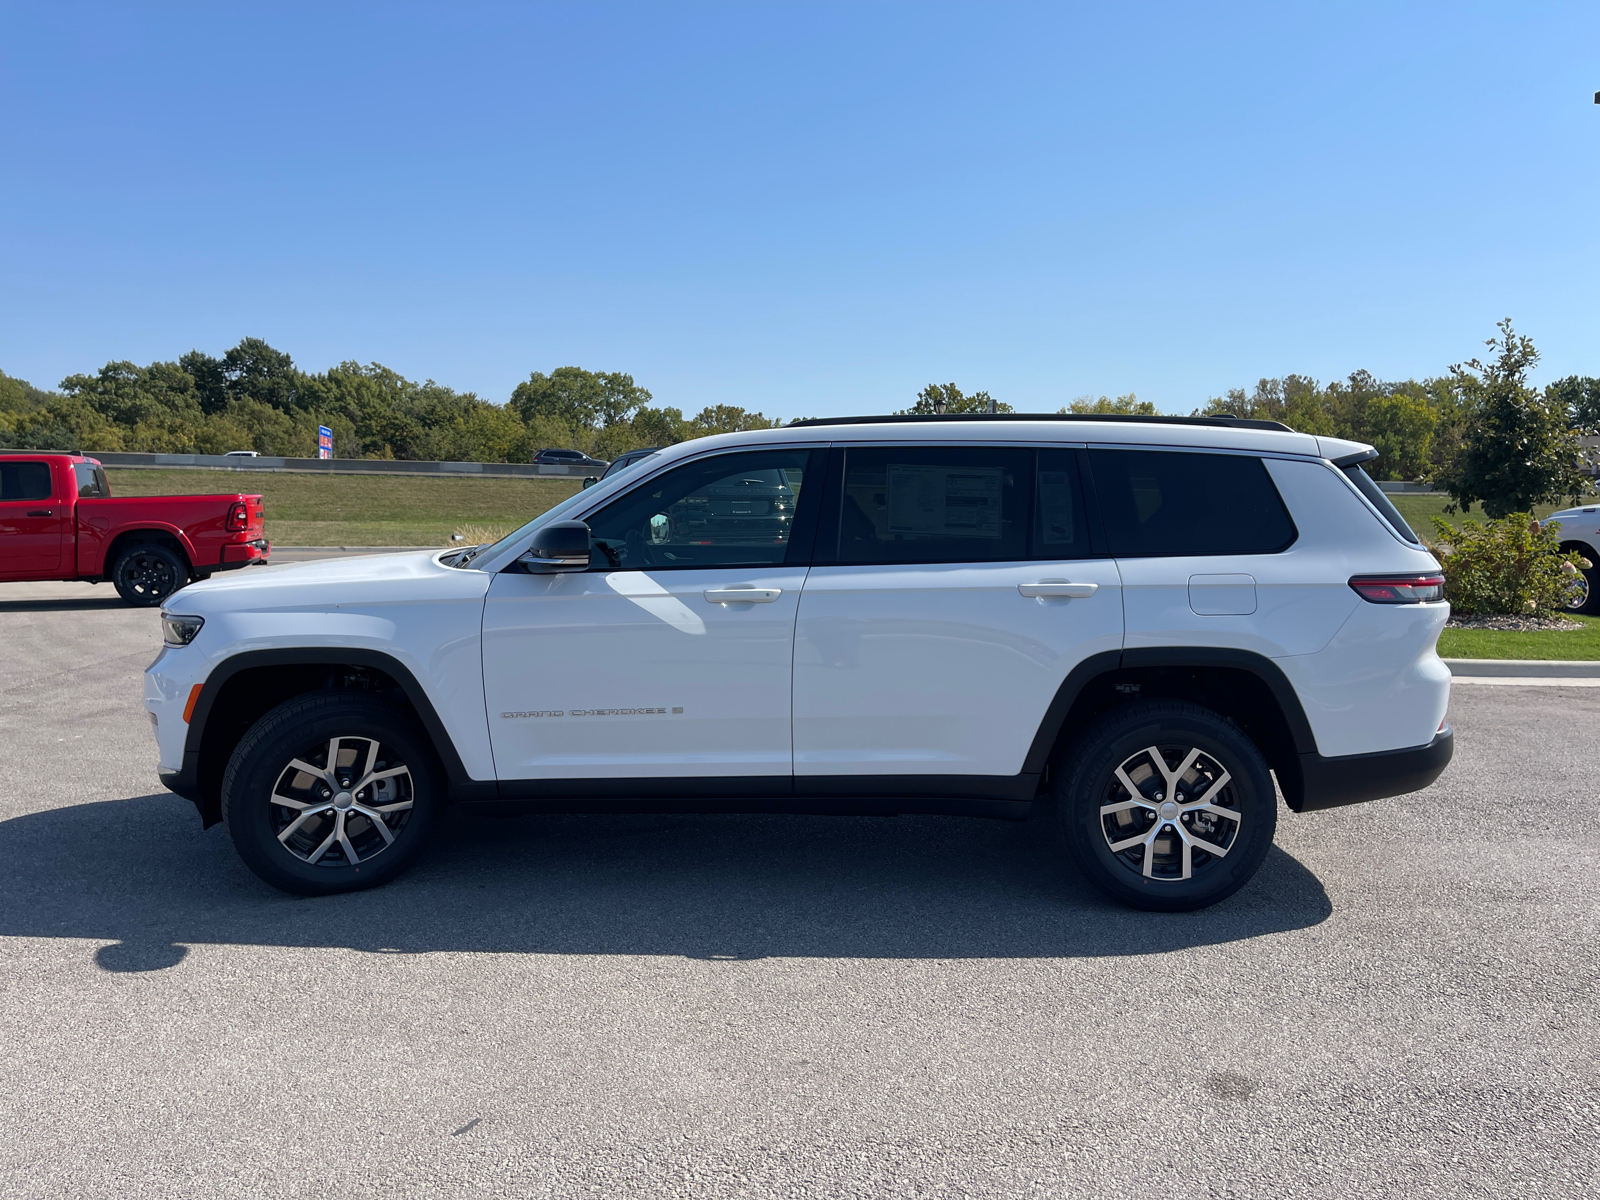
333	466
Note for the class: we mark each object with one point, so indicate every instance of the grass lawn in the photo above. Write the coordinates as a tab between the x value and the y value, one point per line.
1491	643
1418	507
309	509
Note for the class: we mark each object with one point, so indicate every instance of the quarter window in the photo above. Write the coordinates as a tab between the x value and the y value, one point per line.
731	510
1171	503
91	481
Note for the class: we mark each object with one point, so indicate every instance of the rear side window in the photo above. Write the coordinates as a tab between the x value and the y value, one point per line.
91	481
25	481
929	504
1382	503
1172	503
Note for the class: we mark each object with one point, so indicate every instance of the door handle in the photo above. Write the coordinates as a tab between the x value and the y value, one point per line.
743	595
1058	587
38	512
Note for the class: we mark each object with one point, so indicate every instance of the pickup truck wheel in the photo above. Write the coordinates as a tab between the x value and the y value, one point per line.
146	574
331	792
1166	806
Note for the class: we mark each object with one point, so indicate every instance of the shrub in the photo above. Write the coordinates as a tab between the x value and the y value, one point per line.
1512	566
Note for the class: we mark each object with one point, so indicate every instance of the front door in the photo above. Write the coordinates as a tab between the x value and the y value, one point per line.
962	592
672	656
33	520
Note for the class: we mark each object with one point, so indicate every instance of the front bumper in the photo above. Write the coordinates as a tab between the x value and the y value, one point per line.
1357	778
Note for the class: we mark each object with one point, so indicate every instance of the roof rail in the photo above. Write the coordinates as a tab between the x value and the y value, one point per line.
915	418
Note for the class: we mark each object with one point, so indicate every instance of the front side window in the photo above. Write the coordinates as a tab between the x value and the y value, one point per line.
1176	503
730	510
25	481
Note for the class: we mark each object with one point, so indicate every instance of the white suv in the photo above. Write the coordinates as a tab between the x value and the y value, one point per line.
1134	623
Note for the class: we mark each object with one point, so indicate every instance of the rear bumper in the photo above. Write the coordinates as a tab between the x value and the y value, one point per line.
1357	778
243	554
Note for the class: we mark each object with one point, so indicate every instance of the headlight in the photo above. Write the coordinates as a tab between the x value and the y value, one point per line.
180	631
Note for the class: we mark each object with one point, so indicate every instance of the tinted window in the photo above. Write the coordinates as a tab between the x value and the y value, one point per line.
727	511
923	504
25	481
1382	503
91	481
1060	523
1169	503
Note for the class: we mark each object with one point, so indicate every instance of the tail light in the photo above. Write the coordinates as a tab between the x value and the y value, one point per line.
1399	589
239	517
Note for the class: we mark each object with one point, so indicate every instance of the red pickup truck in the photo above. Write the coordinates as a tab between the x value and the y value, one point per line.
58	521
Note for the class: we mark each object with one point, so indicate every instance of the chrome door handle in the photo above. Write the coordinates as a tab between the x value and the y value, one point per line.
743	595
1058	587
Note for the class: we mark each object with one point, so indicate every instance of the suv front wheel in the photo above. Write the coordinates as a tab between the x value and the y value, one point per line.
1166	806
331	792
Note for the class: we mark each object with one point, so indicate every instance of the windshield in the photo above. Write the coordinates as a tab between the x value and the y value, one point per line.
550	514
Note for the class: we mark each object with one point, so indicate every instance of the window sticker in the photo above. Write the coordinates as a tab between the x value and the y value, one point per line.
1055	506
944	502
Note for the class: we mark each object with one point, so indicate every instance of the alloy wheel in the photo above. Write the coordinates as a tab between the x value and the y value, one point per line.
1170	813
343	803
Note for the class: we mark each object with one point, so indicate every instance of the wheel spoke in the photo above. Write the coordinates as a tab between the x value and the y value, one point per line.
1107	810
397	806
300	764
333	760
305	815
1134	793
1205	800
1188	859
373	777
344	840
1130	843
1150	856
287	802
1232	814
316	855
1176	777
371	814
372	758
1190	837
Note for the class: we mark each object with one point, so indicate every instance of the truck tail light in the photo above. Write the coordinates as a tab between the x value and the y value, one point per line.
1399	589
239	517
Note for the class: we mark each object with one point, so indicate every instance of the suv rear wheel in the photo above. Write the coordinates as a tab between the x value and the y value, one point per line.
330	793
1166	806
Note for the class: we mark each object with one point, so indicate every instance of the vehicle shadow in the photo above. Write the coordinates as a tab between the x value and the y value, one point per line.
40	604
142	874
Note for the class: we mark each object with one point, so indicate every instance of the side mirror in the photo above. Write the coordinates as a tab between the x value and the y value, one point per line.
590	480
560	546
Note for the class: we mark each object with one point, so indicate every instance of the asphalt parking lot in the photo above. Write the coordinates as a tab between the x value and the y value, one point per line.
1404	1003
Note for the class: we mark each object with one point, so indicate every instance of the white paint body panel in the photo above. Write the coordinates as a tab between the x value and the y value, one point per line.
928	670
426	616
640	639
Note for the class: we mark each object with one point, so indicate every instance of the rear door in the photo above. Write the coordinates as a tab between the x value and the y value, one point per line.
962	589
672	657
35	511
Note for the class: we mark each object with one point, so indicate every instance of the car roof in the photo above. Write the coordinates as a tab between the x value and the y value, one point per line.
1260	437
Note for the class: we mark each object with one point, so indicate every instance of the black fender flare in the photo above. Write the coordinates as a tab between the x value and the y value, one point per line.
186	781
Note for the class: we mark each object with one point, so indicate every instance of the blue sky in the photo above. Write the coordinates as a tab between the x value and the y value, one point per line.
807	210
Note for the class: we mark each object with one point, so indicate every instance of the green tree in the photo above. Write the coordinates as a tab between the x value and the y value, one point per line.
1517	450
948	398
1579	397
1401	429
580	399
1128	406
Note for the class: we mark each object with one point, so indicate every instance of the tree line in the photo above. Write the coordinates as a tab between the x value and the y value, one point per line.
1479	431
254	398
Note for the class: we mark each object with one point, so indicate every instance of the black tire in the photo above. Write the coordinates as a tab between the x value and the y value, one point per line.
1147	871
1590	605
147	573
333	841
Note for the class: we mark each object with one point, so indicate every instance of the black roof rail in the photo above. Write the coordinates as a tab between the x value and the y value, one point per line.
915	418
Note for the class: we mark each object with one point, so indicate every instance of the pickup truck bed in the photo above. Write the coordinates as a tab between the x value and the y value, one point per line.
58	520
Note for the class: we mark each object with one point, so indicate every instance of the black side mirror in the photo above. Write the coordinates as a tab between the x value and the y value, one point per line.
560	546
590	480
